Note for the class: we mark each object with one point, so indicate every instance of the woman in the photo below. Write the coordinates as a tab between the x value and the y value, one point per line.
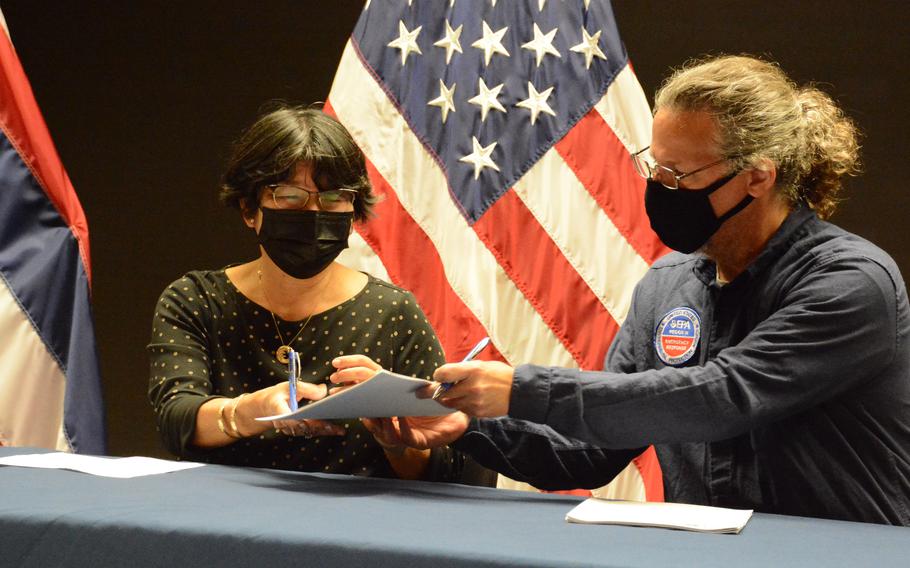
220	338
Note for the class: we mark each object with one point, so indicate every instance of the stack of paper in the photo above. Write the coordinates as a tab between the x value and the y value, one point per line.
665	515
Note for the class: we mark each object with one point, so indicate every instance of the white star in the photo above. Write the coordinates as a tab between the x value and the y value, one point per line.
480	157
537	102
445	100
406	42
589	47
491	43
451	41
542	44
486	99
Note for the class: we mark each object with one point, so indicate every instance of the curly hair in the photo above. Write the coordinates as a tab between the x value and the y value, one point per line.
763	115
269	150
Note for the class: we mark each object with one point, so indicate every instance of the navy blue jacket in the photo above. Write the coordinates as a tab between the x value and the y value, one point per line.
794	398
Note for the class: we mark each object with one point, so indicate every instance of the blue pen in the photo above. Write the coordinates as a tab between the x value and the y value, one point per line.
293	375
481	345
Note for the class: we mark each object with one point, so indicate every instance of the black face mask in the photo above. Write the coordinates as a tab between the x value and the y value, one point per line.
683	218
303	243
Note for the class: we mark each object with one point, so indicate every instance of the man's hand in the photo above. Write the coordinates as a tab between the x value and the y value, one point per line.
478	388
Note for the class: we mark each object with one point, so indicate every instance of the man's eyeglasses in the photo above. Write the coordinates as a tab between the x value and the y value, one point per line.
648	168
286	196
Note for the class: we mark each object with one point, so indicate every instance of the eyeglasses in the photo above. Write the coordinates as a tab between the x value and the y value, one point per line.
292	197
648	168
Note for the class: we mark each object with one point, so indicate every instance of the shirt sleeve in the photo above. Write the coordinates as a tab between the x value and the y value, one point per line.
540	456
621	355
536	454
179	381
832	331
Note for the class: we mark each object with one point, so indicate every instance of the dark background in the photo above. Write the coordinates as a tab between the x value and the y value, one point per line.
144	97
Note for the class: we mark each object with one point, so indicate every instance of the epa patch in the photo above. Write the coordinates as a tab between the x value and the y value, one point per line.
677	335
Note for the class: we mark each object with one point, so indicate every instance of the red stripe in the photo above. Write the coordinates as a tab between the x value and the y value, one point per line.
538	268
576	492
651	474
412	262
606	171
24	126
602	164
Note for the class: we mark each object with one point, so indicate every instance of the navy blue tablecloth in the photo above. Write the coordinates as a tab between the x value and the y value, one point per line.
224	516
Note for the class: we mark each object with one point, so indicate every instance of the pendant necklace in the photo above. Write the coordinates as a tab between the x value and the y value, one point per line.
281	354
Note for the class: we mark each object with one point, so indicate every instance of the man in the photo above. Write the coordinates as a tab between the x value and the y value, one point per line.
771	369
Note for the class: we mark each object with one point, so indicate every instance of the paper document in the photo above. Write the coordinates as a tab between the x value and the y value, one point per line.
106	467
665	515
382	395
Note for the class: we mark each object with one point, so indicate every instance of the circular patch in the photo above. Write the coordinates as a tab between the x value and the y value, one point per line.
677	335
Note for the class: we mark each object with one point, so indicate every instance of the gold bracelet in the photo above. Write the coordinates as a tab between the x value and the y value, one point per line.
232	418
221	419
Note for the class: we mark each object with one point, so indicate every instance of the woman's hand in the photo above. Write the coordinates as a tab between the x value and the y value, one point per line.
385	431
221	421
350	370
420	432
407	441
275	400
478	388
354	369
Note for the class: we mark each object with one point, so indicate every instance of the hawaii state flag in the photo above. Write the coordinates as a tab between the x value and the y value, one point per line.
50	388
499	134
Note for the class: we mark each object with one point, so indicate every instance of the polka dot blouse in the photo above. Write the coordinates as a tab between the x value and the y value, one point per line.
209	340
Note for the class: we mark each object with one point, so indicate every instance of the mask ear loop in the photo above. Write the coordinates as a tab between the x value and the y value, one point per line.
719	184
708	190
739	207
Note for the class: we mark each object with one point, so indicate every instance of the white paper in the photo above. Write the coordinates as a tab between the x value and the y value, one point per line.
666	515
382	395
106	467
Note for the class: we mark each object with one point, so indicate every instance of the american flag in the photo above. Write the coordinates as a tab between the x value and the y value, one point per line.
50	387
499	135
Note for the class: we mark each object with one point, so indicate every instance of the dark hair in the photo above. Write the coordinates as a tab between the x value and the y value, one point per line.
269	150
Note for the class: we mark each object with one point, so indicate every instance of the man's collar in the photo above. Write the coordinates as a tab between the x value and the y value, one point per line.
788	232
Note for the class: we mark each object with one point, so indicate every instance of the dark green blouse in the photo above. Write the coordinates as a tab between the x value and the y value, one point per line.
209	340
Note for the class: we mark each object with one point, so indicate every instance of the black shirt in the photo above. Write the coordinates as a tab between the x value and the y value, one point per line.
208	340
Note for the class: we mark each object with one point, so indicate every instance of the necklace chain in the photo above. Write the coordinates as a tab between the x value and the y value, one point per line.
282	352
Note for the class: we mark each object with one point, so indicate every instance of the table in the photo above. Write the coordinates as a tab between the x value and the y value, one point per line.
232	516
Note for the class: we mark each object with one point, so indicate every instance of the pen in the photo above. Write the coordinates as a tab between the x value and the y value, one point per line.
293	374
443	387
